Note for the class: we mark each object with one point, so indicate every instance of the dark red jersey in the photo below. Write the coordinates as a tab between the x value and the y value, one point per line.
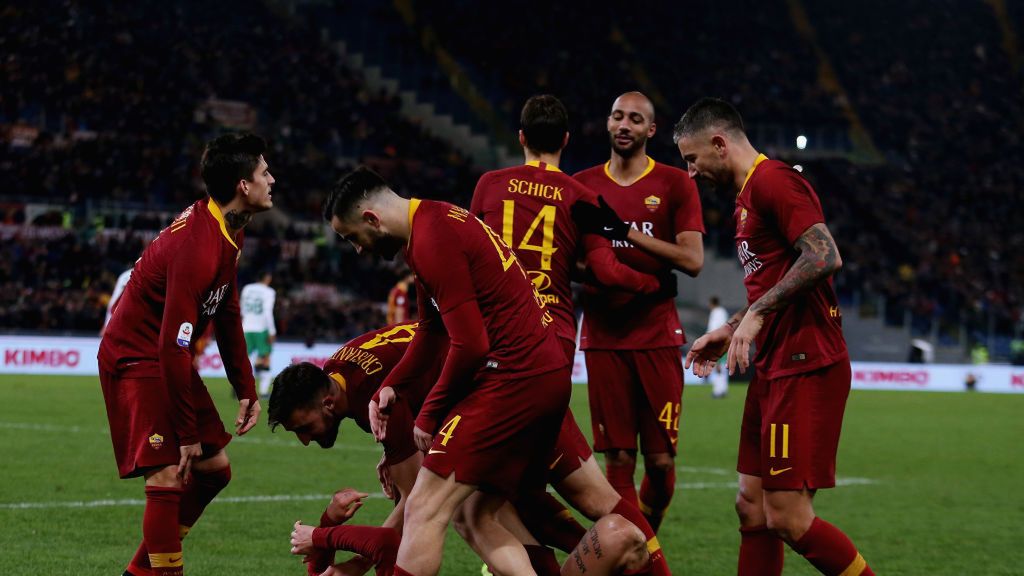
775	206
361	365
458	258
530	206
185	279
662	203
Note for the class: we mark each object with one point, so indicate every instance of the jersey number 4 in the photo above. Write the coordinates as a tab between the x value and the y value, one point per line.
545	220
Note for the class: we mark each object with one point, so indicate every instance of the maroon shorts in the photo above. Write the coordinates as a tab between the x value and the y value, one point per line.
500	436
571	450
139	415
635	392
791	427
398	442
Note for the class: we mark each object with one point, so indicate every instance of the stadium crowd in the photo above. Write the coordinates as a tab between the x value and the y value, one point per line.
94	116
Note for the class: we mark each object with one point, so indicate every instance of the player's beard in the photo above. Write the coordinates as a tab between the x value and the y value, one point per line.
630	150
331	436
386	246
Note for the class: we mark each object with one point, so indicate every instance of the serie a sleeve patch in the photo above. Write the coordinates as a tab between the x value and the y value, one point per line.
185	334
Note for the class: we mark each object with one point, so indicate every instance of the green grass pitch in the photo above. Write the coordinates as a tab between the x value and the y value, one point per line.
932	486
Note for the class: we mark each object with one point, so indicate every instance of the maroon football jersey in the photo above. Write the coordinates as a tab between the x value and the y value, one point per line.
185	278
661	203
775	206
360	366
458	258
530	206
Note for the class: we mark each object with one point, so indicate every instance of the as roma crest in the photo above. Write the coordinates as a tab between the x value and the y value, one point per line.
156	441
652	202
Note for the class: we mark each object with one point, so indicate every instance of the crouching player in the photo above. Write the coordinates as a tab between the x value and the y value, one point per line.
311	402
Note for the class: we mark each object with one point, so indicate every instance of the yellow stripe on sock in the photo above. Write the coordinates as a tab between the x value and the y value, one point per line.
660	513
183	531
653	545
165	560
856	567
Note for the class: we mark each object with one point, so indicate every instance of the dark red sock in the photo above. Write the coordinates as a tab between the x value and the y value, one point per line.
160	530
656	492
659	566
139	566
761	552
830	551
198	494
621	478
543	560
400	572
549	521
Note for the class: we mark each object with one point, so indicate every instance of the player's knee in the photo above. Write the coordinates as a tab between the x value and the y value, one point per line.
619	537
660	464
788	523
620	458
166	477
463	526
749	509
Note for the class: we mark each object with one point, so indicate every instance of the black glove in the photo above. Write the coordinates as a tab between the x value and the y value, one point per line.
668	287
600	220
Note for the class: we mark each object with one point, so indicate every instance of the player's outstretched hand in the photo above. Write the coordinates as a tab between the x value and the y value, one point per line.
379	412
422	439
248	414
601	219
189	453
344	504
384	475
707	349
302	539
739	350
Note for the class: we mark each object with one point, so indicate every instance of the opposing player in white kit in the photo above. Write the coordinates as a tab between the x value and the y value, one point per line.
719	376
258	325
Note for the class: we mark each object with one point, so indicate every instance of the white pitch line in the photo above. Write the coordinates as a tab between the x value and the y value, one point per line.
138	502
35	427
307	497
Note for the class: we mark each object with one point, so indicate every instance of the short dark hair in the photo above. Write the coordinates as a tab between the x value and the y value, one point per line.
708	113
544	121
714	300
295	388
357	185
228	159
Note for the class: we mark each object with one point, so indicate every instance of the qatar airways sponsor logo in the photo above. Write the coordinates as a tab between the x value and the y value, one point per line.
213	300
899	377
751	263
1017	380
645	228
51	358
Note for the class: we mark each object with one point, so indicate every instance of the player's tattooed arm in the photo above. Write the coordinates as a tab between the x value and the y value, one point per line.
736	318
237	220
819	258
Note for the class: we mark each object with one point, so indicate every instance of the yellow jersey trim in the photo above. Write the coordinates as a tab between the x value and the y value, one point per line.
608	172
544	165
340	380
760	158
219	217
653	545
856	567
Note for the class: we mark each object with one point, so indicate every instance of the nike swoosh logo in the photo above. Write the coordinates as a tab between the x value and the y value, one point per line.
608	229
173	561
432	451
775	472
